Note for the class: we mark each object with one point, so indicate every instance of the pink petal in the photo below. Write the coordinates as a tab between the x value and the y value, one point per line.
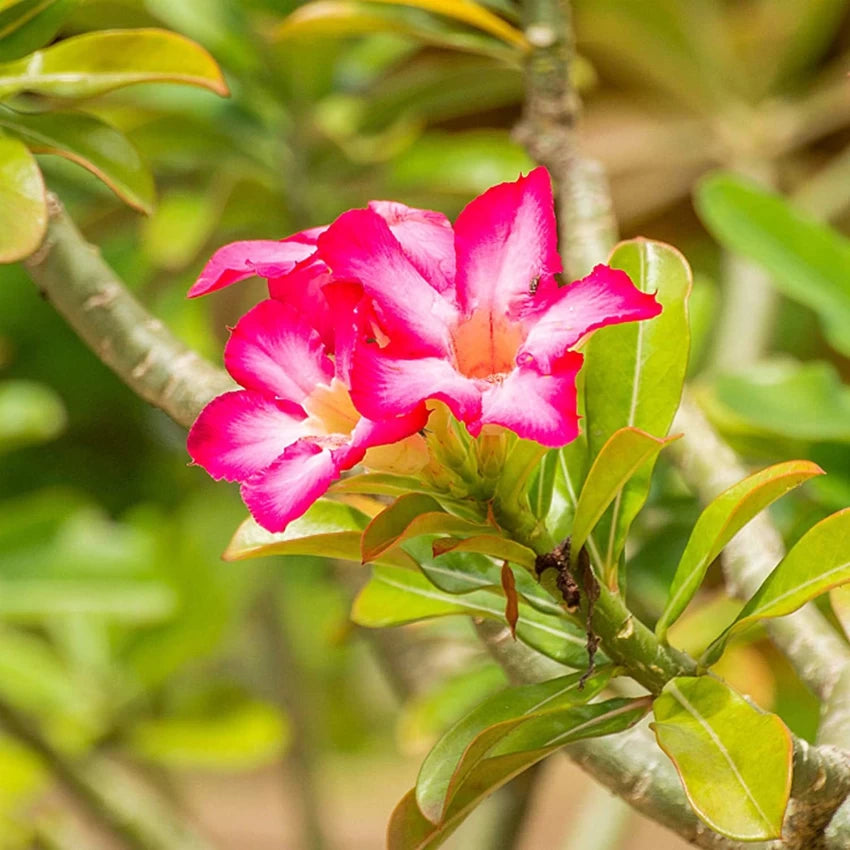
359	246
302	288
383	386
240	433
240	260
274	350
290	485
427	239
536	406
369	432
506	242
558	320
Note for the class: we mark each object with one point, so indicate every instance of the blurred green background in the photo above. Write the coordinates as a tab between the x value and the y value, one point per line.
238	698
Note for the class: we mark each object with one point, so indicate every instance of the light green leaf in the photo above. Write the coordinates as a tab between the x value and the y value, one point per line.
410	516
634	374
89	142
90	64
396	596
625	452
181	224
529	743
441	766
734	760
819	561
29	413
722	519
27	24
808	261
328	529
23	205
490	545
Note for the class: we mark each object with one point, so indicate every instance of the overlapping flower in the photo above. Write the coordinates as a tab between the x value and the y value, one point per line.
387	308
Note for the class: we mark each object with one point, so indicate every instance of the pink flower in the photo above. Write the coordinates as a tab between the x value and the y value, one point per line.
483	327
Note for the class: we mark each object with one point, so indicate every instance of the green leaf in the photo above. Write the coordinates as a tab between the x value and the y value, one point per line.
27	24
23	205
819	561
634	374
328	529
734	760
410	516
441	765
625	452
90	64
724	517
808	261
498	758
183	221
30	413
395	596
89	142
490	545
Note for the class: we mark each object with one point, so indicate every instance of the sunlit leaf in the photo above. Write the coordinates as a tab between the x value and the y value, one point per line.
819	561
23	206
734	760
397	596
97	62
807	260
89	142
722	519
633	375
625	452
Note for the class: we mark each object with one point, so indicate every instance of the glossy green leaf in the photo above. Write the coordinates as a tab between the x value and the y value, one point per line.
734	760
819	561
410	516
28	24
724	517
625	452
490	545
30	413
340	18
378	484
23	206
396	596
516	704
495	758
634	373
89	142
90	64
329	529
807	260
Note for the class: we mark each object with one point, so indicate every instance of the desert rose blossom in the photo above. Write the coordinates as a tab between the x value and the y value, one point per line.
495	341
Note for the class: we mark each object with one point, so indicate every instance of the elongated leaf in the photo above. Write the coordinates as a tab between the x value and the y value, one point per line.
819	561
625	452
28	24
23	206
721	521
808	261
396	596
89	142
634	374
512	704
410	516
488	544
734	760
329	529
535	739
91	64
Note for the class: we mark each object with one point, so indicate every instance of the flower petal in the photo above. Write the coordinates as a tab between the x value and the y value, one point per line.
384	386
506	241
370	432
240	433
561	318
240	260
290	485
359	246
537	406
427	239
274	350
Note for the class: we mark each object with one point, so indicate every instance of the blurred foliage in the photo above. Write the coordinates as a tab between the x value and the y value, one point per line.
121	631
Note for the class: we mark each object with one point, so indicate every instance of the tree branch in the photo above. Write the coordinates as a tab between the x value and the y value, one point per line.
133	343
